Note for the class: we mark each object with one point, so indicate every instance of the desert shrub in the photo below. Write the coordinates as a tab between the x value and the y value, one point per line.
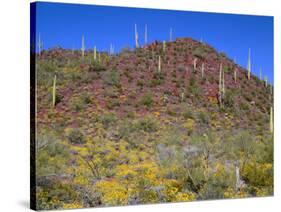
258	175
147	100
96	67
107	119
77	104
146	124
180	68
193	88
203	117
111	103
112	78
200	52
188	113
75	136
86	98
229	99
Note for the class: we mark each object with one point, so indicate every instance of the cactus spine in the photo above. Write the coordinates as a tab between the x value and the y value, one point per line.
95	53
145	35
83	47
40	44
136	37
271	121
159	64
202	70
171	34
249	64
54	91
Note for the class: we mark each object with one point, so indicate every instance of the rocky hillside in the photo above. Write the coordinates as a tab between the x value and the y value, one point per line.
155	115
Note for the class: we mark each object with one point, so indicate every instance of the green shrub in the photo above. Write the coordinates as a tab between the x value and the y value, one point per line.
96	67
75	136
146	124
147	100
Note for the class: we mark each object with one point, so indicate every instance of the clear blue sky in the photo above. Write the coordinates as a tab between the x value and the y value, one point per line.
63	25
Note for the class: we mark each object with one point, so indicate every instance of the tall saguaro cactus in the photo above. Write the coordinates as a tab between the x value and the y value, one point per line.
202	70
145	35
159	64
195	64
54	91
40	44
265	80
136	37
171	34
164	46
249	64
111	50
271	120
95	53
83	47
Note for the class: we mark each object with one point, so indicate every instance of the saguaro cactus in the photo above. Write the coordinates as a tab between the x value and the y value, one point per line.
249	64
164	46
111	49
83	47
271	121
54	91
159	64
182	96
145	35
195	64
171	34
95	53
40	44
136	37
202	70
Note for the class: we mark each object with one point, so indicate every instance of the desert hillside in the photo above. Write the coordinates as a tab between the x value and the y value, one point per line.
174	121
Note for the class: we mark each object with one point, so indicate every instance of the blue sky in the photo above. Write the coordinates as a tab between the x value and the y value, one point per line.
63	25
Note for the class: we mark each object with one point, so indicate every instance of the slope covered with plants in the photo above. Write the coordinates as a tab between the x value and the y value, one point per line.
167	122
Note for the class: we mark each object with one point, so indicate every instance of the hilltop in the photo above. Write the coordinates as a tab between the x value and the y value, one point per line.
152	115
